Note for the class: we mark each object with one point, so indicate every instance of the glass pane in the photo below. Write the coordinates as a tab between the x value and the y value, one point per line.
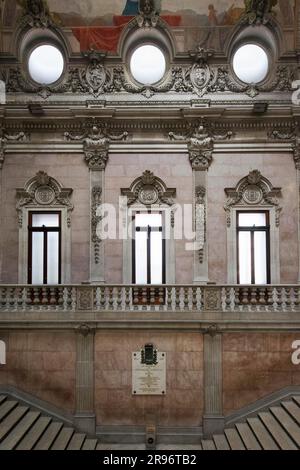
141	257
260	257
156	257
245	257
53	258
144	219
37	258
257	219
251	63
48	220
46	64
148	64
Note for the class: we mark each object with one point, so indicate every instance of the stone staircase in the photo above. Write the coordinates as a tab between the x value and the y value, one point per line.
23	428
276	428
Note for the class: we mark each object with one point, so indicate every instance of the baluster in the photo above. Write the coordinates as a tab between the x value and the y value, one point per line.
245	296
102	297
44	295
177	298
24	298
194	298
292	299
65	298
269	295
186	298
56	296
119	298
253	299
275	299
287	299
152	296
127	298
111	298
98	299
36	295
29	295
74	298
169	299
262	296
279	298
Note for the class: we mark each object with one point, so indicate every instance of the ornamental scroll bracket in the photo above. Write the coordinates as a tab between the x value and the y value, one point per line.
96	145
290	135
253	190
7	137
200	143
43	191
148	189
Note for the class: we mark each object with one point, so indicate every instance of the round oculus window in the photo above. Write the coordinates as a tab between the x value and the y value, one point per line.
251	63
46	64
148	64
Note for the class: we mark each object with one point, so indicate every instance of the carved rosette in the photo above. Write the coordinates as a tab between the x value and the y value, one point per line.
253	190
148	189
95	219
200	220
43	190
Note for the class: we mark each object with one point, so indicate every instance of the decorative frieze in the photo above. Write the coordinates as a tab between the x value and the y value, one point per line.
253	190
96	145
148	189
43	191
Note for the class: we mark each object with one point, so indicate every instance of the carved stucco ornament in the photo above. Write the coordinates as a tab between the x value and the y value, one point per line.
96	145
291	135
200	220
36	14
258	11
95	220
148	189
148	14
253	190
43	191
200	143
5	137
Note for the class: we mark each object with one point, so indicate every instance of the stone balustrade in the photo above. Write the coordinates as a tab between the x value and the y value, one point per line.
171	298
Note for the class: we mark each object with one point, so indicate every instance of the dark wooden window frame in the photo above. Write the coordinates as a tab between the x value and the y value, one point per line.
45	230
149	230
252	230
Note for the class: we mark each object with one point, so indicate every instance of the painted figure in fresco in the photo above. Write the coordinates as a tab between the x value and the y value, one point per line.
212	15
131	8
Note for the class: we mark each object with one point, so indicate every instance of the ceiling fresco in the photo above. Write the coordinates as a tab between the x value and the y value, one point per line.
98	24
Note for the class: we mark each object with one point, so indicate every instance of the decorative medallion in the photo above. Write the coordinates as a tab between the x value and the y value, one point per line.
44	195
253	195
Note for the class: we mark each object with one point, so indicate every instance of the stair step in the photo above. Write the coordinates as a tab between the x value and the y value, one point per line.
221	442
63	439
6	407
297	400
247	436
234	439
208	445
287	423
11	420
2	398
280	436
90	444
76	441
48	437
263	436
20	430
31	438
292	409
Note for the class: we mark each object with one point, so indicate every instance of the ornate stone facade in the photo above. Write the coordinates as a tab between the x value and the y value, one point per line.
148	189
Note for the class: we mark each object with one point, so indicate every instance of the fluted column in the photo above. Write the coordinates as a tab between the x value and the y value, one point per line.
85	418
213	420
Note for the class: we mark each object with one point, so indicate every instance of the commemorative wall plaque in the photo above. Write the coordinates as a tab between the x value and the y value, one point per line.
148	372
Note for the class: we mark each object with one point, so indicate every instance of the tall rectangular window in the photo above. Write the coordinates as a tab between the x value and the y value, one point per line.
148	249
253	234
44	250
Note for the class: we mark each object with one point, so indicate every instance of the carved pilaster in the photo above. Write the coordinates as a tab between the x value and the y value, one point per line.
85	413
213	421
95	144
